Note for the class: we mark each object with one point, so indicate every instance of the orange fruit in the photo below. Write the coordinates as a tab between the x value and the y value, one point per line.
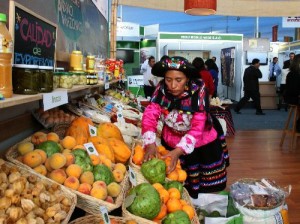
32	159
189	210
95	159
164	195
174	193
182	175
57	161
178	165
68	142
42	154
138	158
173	175
173	205
78	147
183	202
157	186
162	213
161	149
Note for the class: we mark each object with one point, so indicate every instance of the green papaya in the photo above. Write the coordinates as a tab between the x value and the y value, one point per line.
178	217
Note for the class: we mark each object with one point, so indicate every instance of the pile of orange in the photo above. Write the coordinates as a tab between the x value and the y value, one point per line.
178	174
170	202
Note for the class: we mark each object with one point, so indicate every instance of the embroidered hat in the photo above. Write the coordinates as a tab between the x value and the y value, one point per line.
175	63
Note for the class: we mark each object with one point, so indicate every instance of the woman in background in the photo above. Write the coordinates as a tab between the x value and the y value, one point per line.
214	71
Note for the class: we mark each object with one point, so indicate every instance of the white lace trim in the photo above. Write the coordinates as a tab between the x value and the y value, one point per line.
172	122
148	137
187	143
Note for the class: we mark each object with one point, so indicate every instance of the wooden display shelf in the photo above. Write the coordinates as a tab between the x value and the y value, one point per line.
18	99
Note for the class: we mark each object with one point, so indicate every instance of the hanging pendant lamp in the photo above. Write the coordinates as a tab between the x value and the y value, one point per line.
200	7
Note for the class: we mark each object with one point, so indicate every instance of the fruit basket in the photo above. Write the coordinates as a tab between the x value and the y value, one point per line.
128	215
97	219
85	202
63	196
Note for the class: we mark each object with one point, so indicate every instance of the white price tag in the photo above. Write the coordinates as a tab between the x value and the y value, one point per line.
120	118
55	99
90	148
132	176
93	130
106	85
104	213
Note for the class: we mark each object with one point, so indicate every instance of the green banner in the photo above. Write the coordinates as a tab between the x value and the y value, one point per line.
70	18
186	36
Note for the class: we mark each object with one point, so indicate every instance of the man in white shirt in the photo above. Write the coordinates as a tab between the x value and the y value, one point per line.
146	68
274	69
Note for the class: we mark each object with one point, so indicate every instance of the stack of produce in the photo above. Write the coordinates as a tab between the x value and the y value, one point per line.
27	198
67	162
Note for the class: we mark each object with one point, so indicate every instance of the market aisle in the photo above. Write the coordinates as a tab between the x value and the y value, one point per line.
256	154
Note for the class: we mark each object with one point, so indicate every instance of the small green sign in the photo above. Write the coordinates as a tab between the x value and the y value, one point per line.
189	36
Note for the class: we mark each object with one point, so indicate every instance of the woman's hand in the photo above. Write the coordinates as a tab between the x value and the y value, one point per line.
174	155
150	152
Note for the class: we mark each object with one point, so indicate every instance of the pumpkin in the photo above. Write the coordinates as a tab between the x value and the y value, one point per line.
79	129
109	130
121	151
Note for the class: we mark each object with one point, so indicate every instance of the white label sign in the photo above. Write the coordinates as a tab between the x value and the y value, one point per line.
90	148
106	85
132	176
93	130
104	213
135	80
291	21
55	99
126	29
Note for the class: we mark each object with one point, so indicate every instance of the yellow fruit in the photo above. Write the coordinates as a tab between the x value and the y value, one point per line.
57	161
41	169
58	175
100	193
68	142
52	136
118	175
32	159
74	170
121	167
113	189
87	177
42	154
72	182
25	147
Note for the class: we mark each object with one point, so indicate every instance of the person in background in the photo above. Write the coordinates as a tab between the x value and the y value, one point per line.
281	83
146	67
215	60
289	62
213	69
205	75
274	69
180	101
292	88
251	87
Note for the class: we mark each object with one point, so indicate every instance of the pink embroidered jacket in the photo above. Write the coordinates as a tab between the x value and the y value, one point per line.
180	130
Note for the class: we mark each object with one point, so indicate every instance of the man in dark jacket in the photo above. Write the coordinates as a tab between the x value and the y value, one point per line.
251	87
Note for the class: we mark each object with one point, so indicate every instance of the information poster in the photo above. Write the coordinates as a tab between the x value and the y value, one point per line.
227	66
34	38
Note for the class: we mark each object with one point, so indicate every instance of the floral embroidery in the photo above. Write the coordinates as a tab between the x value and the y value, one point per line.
148	137
187	143
178	121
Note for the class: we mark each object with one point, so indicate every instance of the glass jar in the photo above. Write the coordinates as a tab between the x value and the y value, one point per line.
81	77
45	79
56	77
76	60
91	78
65	80
25	79
75	78
90	62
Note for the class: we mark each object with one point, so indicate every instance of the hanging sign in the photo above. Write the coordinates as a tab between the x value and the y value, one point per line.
291	21
34	37
55	99
126	29
135	80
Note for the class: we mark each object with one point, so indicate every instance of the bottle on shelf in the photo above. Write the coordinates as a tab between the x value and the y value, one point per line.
6	49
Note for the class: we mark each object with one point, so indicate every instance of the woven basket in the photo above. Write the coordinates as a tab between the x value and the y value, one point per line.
128	215
85	202
95	219
66	192
60	129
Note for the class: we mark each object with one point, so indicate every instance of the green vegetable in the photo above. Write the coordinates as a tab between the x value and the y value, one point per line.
178	217
102	172
83	159
174	184
154	171
146	203
50	147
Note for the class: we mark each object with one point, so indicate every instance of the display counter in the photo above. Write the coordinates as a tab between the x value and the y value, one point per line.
268	95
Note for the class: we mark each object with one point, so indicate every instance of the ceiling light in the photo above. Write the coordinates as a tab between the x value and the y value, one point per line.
200	7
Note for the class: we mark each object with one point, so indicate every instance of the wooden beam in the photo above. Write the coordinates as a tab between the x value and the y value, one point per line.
113	28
